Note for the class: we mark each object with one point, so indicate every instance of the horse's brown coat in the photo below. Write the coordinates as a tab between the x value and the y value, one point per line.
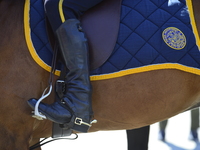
127	102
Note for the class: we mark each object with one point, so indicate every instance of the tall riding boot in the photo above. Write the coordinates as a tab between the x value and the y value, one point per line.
74	109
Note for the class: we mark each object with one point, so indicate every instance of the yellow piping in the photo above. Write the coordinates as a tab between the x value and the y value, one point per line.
29	42
61	11
144	69
193	22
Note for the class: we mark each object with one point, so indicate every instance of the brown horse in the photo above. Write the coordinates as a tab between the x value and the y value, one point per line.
127	102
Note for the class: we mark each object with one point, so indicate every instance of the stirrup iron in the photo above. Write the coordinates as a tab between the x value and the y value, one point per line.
38	115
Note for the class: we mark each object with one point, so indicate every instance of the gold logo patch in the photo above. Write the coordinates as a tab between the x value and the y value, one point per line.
174	38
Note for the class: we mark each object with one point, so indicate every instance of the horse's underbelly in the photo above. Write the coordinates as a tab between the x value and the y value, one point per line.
141	99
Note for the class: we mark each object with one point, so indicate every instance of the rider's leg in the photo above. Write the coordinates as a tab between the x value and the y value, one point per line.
74	109
58	11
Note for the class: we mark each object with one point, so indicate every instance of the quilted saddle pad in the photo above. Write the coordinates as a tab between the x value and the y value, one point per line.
152	35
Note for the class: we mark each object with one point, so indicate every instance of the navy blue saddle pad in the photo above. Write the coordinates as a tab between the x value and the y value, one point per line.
152	35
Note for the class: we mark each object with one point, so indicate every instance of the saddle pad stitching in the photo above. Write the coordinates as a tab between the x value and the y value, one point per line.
146	18
168	66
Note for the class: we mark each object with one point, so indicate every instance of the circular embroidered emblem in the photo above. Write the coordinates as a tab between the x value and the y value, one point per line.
174	38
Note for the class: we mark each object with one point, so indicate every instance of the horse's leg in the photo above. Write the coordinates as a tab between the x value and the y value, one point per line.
162	127
194	124
138	138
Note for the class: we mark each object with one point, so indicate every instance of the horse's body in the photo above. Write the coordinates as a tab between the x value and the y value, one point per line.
126	102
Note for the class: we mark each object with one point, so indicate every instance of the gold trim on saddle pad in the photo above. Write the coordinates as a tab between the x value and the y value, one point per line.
30	45
146	68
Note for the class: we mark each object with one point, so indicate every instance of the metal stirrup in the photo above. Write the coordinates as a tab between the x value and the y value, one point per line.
37	114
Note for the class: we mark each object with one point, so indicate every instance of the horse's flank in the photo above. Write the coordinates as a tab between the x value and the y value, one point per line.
126	102
21	78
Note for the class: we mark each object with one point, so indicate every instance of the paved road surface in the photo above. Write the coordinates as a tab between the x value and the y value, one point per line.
177	134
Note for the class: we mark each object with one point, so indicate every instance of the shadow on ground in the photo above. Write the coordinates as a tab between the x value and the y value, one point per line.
174	147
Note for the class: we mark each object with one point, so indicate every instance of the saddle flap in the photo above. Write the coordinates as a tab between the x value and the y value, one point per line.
101	25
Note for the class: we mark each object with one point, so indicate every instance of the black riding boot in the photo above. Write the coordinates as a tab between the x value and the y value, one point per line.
74	109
